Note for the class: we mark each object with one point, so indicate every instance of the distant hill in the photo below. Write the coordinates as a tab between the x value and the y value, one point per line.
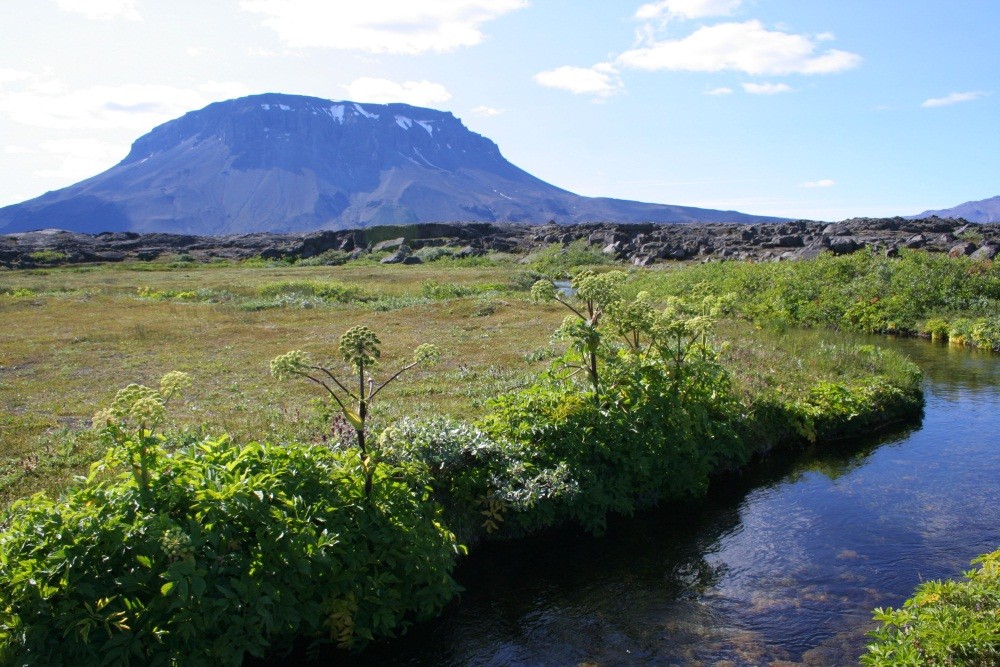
984	210
285	163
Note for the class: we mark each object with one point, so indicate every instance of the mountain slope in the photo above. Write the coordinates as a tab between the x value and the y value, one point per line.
984	210
285	163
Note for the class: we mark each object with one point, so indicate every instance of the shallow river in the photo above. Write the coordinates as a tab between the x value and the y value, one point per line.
782	566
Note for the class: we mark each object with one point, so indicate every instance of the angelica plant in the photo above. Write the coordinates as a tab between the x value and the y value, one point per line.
133	418
361	350
596	293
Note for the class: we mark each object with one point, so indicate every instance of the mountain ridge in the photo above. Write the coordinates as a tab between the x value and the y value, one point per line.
981	210
287	163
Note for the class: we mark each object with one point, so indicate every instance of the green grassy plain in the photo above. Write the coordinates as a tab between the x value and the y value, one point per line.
73	336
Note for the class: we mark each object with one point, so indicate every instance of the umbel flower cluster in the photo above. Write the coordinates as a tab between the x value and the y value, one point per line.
361	350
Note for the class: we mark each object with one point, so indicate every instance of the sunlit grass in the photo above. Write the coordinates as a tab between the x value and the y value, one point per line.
74	336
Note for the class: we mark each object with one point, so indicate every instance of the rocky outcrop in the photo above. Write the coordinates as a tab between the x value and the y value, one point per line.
638	244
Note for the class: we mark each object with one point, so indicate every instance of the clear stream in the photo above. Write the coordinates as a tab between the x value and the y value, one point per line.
782	565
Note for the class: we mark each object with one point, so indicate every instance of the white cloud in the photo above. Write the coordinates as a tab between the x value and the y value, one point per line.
199	51
766	88
102	10
51	103
688	9
381	26
487	111
822	183
600	80
17	150
720	91
384	91
953	98
745	47
80	158
8	75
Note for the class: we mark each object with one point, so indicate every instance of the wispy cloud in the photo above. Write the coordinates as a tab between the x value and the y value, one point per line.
487	111
766	88
687	9
719	91
384	91
954	98
48	102
601	80
80	158
102	10
743	47
381	26
822	183
8	75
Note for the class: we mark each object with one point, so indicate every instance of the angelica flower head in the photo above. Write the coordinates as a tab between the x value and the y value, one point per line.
289	364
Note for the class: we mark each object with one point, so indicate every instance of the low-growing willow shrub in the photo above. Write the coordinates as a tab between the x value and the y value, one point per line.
487	487
216	552
327	291
944	623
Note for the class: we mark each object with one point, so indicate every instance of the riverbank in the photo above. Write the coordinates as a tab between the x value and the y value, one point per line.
954	299
781	565
524	449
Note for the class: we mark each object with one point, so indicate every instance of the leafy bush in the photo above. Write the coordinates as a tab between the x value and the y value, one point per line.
326	291
557	260
863	291
327	258
47	256
236	550
146	292
433	253
636	422
432	289
944	623
485	485
208	552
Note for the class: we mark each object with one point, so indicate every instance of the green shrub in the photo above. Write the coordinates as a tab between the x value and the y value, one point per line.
985	333
432	289
201	554
653	437
327	258
937	328
864	291
236	550
433	253
485	485
638	409
944	623
326	291
47	256
557	260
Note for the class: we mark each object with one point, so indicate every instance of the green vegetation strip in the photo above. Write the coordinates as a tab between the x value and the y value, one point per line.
929	294
183	545
944	623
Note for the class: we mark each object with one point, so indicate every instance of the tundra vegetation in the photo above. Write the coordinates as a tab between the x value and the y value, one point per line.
263	510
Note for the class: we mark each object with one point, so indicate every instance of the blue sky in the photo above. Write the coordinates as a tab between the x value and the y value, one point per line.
798	108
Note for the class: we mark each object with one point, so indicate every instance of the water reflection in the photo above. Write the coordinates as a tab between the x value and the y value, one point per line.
779	567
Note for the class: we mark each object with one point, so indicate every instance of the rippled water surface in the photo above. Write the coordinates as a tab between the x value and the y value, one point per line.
781	567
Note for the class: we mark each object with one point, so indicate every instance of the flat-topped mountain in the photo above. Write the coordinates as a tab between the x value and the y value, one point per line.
984	210
286	163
